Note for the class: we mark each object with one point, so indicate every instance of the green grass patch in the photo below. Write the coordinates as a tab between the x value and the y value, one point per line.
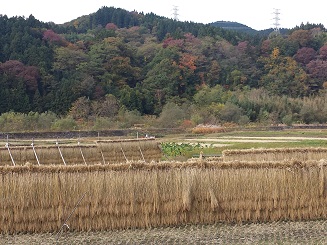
255	145
302	142
174	150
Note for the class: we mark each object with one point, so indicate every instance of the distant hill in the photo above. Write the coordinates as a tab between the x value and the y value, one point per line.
146	61
231	25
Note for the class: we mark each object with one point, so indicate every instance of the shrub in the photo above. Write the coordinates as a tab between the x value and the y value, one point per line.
103	123
171	116
33	121
128	118
12	121
65	124
230	113
207	129
288	120
187	124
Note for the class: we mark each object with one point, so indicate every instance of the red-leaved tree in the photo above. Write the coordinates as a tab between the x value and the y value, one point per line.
52	37
323	52
305	55
29	74
111	26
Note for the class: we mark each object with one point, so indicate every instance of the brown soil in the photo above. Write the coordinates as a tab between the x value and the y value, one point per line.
310	232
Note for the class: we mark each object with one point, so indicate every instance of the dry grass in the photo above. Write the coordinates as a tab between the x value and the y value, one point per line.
275	154
208	130
140	195
101	152
130	150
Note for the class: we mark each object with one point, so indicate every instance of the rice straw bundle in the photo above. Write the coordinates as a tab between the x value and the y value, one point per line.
137	194
103	152
275	154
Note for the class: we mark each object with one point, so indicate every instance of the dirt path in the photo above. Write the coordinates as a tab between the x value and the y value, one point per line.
311	232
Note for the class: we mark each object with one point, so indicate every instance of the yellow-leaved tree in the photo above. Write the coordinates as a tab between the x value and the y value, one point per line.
283	75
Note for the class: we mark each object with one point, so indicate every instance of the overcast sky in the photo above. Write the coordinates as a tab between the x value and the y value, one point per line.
253	13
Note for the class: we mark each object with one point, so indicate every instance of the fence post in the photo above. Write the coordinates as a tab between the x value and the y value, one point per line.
141	152
99	146
121	147
80	148
37	159
11	157
62	157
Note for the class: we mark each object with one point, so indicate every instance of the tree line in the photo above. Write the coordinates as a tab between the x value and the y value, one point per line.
112	64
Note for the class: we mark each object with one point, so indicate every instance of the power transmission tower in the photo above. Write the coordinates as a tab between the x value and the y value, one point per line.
276	21
175	12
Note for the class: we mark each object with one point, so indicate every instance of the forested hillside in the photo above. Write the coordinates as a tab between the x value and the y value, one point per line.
118	66
230	25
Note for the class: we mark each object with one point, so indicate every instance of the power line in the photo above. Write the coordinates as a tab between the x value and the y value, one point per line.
175	12
276	21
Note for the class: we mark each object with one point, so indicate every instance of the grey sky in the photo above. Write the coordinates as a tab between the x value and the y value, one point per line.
253	13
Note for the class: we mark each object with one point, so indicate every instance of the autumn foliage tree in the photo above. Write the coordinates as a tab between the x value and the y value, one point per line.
54	38
284	76
115	63
305	55
317	70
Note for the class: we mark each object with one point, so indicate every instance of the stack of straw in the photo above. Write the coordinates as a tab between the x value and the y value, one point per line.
138	195
103	152
275	154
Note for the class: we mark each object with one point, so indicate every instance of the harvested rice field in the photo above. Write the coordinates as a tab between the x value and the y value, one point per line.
117	190
313	232
85	152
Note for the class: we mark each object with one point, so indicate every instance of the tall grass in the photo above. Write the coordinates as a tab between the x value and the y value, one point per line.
137	195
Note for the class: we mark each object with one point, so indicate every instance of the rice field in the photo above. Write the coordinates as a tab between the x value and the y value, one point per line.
121	193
